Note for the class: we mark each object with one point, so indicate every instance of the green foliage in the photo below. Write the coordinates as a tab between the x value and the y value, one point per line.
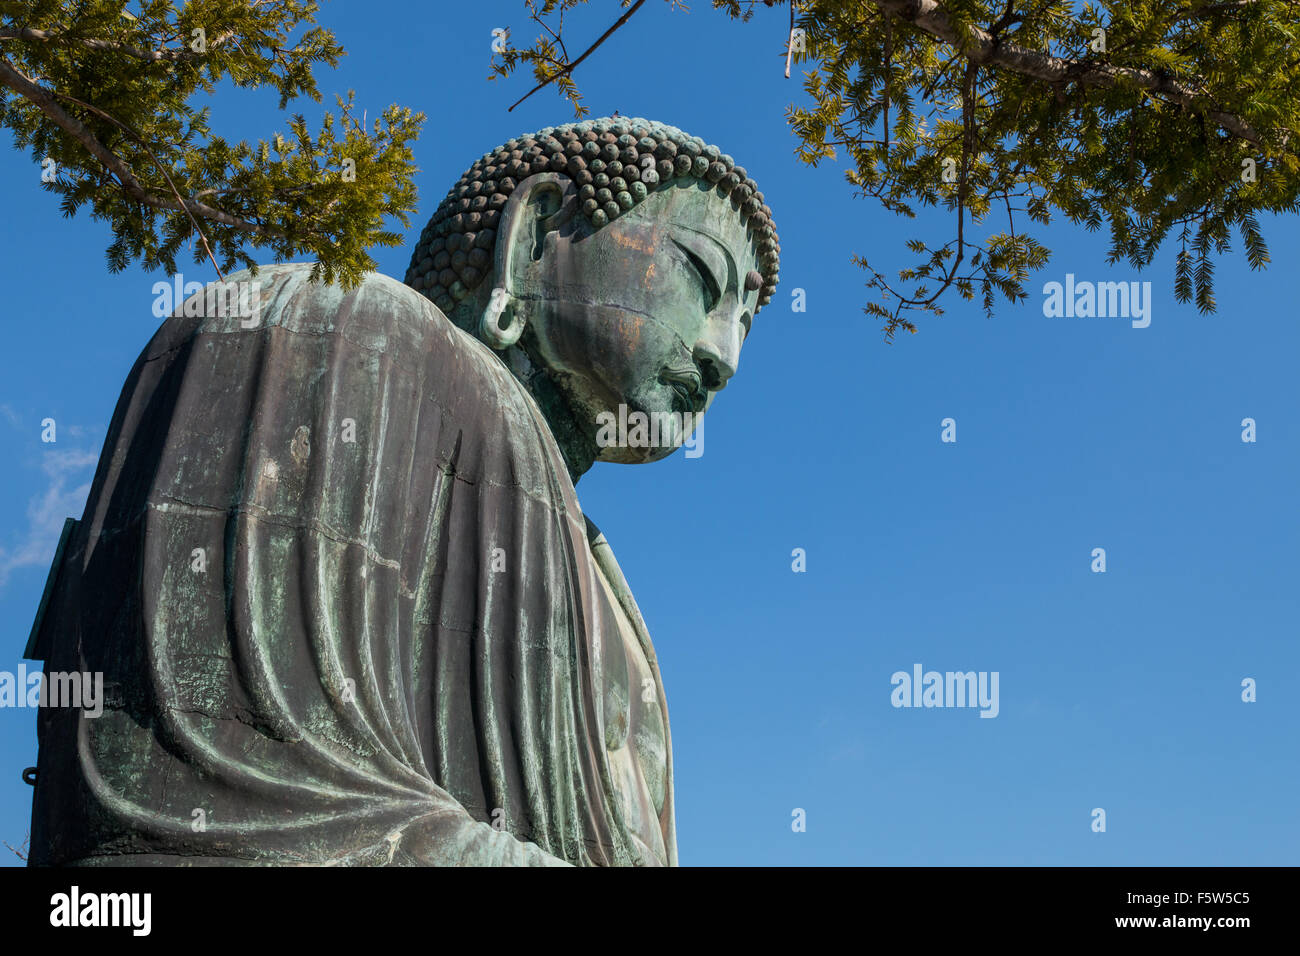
108	94
1132	159
548	56
1008	114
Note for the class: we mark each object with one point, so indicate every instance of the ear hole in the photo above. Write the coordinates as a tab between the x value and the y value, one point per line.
539	239
545	201
546	197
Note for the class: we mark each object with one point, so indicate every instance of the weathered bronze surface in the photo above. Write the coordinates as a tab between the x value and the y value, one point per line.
333	567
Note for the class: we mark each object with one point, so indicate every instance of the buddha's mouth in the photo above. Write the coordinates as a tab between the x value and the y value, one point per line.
688	390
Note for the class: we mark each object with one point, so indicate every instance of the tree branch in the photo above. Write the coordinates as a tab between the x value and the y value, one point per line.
591	49
44	101
148	56
789	43
983	49
161	168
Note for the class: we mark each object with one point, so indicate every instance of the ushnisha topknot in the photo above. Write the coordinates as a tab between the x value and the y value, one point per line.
615	162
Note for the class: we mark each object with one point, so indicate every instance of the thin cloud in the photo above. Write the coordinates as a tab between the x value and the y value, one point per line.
46	511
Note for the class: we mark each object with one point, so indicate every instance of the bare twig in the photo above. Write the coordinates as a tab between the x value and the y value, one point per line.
574	65
789	45
23	850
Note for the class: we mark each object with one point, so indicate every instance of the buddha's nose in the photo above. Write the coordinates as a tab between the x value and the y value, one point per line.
717	353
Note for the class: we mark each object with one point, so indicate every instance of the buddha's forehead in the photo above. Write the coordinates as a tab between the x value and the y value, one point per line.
695	209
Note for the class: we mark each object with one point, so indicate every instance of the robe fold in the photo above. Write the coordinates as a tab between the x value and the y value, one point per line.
347	610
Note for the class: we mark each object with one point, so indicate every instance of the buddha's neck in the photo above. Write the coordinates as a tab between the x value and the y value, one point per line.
576	444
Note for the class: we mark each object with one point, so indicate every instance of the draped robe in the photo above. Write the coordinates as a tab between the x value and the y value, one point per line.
347	609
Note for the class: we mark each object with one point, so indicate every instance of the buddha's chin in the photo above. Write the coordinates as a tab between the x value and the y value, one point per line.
635	456
640	434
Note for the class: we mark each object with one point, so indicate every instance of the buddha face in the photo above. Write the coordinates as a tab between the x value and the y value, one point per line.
649	312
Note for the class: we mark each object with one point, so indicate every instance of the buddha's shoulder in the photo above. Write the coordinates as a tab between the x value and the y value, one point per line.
285	330
378	314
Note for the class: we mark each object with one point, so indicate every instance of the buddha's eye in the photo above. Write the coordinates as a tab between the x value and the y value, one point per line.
709	282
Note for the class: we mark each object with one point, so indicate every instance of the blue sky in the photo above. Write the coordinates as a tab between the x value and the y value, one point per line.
1119	690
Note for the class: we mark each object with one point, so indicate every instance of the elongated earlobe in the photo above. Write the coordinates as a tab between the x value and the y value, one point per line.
541	203
502	323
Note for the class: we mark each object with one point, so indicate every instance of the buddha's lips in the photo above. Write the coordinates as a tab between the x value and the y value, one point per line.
688	386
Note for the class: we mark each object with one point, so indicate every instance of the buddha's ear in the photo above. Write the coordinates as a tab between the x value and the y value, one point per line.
539	206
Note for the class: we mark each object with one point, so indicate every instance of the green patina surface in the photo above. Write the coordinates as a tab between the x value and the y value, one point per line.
333	565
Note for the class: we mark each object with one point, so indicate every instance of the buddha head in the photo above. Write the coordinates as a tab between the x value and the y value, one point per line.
616	266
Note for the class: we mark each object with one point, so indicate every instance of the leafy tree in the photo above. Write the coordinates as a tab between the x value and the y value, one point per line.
102	97
1162	120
